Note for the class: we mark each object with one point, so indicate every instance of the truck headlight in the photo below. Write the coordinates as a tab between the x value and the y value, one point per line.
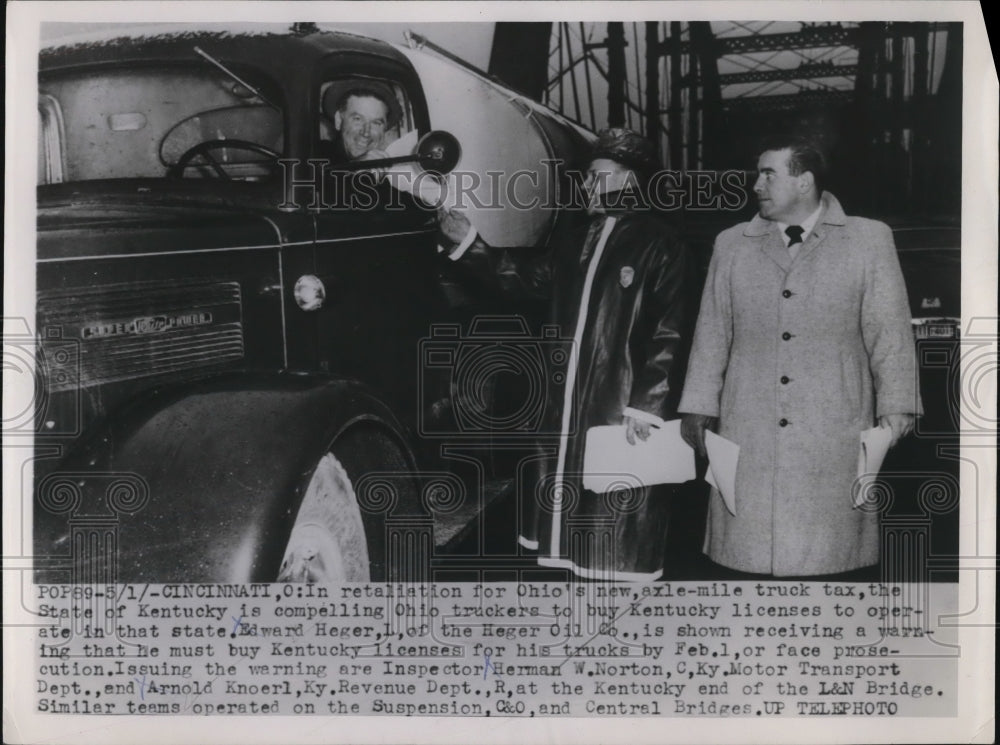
310	294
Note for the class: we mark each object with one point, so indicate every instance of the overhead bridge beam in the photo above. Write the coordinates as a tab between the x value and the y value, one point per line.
789	101
807	38
810	37
803	72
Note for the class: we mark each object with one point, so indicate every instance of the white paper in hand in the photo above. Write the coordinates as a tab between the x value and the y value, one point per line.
872	451
610	462
404	145
723	456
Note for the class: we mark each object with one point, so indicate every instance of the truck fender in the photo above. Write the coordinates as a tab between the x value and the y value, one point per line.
202	482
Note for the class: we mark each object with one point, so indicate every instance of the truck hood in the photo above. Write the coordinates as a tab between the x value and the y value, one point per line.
75	225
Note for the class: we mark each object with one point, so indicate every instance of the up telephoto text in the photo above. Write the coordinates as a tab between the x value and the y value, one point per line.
531	650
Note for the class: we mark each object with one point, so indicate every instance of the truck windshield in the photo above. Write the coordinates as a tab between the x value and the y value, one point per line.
155	122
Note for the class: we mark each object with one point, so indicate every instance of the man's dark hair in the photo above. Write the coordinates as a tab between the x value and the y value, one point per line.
804	155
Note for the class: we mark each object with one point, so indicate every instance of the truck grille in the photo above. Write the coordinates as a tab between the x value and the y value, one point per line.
95	335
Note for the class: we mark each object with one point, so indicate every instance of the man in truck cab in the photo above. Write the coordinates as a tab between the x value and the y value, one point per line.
360	120
362	114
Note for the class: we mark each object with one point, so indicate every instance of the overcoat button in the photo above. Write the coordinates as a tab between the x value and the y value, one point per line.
783	422
784	379
786	336
786	293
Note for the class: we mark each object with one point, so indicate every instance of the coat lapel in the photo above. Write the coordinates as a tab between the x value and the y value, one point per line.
832	215
766	231
774	247
814	239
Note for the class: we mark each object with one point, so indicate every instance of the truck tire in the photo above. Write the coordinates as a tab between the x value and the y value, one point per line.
339	533
327	543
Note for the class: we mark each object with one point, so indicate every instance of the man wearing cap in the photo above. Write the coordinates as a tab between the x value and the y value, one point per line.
802	341
616	288
361	116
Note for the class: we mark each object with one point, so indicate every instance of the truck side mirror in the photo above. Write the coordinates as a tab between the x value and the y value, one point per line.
438	151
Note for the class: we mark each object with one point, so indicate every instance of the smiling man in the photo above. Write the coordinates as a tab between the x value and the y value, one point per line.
361	116
803	341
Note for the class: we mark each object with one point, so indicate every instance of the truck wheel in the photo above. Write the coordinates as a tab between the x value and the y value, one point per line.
340	532
327	542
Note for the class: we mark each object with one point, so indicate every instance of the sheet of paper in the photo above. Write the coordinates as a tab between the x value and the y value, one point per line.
404	145
723	456
611	462
871	452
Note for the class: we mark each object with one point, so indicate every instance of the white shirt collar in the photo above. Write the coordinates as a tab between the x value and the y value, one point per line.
807	225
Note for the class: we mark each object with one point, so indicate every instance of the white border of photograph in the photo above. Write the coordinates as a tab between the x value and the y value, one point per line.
974	722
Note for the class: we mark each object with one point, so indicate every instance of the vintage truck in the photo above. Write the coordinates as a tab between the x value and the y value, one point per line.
232	386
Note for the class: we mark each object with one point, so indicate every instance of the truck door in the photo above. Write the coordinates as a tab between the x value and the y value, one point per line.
362	295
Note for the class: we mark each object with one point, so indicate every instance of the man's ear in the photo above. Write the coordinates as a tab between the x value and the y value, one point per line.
337	120
806	182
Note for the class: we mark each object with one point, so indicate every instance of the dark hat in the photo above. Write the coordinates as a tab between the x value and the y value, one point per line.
626	147
339	90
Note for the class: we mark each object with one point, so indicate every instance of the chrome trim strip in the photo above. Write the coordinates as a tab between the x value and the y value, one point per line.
232	248
370	237
281	296
147	254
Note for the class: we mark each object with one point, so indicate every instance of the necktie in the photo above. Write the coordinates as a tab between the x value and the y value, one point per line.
794	233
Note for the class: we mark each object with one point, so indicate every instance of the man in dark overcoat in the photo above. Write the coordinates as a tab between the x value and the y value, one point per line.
616	286
803	341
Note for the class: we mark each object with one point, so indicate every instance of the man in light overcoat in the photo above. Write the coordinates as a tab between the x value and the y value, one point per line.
803	341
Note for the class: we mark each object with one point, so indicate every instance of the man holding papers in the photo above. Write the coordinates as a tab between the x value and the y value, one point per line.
616	288
802	341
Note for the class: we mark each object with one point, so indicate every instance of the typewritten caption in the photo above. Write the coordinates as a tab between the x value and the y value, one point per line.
531	650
